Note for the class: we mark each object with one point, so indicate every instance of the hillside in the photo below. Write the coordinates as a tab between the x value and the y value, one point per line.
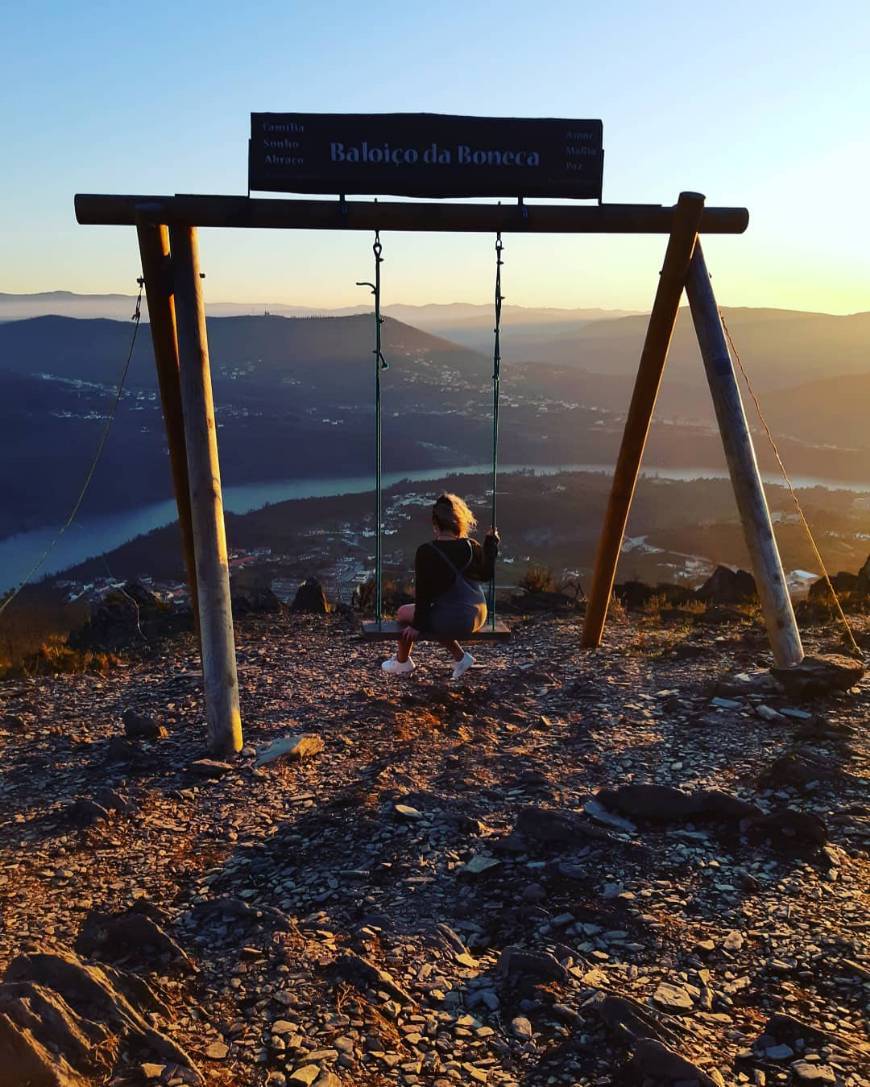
294	400
282	387
632	866
258	348
819	411
678	532
525	328
780	348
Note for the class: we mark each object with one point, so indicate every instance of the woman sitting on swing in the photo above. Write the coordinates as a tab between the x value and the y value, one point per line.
448	597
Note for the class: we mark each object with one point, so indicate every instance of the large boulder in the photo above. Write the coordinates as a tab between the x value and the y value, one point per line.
844	582
145	599
784	1029
141	726
544	601
796	769
629	1020
862	583
559	827
676	595
136	936
129	615
727	586
540	967
368	975
665	804
65	1023
254	599
788	830
820	675
634	594
661	803
655	1063
292	748
637	594
311	598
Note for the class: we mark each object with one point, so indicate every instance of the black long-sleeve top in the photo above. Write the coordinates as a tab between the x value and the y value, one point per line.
432	575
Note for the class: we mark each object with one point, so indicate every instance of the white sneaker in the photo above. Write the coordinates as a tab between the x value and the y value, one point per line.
397	667
462	666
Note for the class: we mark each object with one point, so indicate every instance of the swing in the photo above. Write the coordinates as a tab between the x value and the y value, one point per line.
389	629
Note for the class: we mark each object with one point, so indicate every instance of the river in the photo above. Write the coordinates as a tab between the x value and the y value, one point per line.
95	535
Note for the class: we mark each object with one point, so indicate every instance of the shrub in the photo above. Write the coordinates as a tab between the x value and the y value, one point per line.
654	604
538	579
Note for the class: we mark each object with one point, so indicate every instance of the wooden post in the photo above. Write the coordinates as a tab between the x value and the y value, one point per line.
209	535
156	270
684	233
785	639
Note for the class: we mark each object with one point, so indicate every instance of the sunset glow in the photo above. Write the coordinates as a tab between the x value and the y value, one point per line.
766	110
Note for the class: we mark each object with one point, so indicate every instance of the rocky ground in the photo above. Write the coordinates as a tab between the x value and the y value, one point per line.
442	883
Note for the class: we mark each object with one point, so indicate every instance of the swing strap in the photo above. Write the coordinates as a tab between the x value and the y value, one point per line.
496	376
380	364
456	571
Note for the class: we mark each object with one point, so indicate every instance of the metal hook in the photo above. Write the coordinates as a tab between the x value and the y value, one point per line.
499	263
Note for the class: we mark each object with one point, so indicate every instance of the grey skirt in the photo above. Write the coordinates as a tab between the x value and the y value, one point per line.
461	610
449	617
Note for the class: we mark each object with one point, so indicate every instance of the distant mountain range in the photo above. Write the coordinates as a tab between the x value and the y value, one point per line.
294	398
812	369
780	348
117	307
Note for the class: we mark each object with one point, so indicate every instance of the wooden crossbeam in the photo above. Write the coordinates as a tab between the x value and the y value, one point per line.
248	212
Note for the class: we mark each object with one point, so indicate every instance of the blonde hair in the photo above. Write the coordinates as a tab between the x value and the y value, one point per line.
451	514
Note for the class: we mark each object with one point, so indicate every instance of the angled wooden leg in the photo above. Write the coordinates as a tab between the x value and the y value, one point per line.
209	535
782	630
684	233
156	270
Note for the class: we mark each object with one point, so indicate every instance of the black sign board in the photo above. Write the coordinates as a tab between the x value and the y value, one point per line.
425	154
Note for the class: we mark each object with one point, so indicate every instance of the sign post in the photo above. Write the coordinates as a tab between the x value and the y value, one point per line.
425	154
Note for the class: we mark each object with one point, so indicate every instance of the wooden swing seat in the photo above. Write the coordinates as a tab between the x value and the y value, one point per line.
389	630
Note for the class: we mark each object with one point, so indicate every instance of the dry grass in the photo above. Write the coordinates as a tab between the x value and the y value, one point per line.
33	637
660	602
52	657
616	612
538	579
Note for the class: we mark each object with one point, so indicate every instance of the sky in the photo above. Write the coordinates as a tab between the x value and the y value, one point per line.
761	104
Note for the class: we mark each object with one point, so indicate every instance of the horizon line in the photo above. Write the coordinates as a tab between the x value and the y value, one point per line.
361	307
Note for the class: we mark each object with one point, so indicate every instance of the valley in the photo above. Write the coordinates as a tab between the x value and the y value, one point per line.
295	418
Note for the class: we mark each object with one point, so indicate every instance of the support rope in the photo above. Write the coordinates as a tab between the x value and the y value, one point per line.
791	490
101	445
496	378
380	364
